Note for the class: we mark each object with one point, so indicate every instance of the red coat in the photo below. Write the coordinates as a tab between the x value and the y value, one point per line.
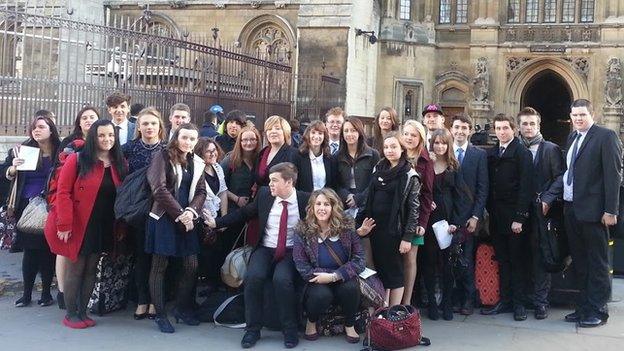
73	205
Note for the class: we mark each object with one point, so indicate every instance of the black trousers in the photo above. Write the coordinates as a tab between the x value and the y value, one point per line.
589	246
37	261
434	258
319	297
465	277
261	268
142	266
510	250
541	278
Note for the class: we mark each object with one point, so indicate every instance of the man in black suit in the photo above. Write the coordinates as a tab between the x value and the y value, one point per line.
278	208
473	169
510	170
590	188
547	168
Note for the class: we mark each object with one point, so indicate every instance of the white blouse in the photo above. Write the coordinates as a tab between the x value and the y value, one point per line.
318	171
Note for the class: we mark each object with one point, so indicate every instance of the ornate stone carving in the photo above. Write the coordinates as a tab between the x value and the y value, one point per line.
613	84
481	82
177	4
514	63
255	4
579	64
280	4
270	41
550	34
220	4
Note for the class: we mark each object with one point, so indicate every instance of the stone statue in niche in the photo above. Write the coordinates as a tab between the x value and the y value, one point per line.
613	84
481	82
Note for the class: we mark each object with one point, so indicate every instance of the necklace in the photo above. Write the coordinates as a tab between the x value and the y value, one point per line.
148	146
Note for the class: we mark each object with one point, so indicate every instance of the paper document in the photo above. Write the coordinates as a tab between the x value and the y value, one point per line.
440	228
367	272
31	158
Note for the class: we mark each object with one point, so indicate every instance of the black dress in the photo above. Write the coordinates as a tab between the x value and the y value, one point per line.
384	239
99	233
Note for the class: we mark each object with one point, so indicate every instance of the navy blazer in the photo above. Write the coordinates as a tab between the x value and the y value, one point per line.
597	174
260	208
474	171
131	128
304	178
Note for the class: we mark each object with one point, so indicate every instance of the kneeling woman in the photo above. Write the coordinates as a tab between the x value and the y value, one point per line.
80	224
176	177
328	255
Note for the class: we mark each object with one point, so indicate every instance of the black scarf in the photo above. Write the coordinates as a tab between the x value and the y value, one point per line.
385	174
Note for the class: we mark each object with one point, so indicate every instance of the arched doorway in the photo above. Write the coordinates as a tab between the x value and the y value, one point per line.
550	95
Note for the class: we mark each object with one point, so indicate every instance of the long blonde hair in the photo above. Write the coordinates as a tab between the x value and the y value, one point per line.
338	222
421	132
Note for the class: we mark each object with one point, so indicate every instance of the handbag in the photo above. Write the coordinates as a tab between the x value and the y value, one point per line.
33	218
235	265
371	288
7	218
134	198
394	328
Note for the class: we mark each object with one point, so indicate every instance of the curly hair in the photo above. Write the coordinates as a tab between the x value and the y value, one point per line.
309	228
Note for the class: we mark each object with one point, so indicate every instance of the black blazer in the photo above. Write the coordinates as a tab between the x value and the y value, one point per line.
597	174
260	208
510	181
286	153
304	178
474	172
548	166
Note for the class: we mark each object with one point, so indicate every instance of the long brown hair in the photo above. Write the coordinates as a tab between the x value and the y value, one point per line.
236	157
202	146
445	136
377	142
338	222
174	152
319	127
152	111
343	152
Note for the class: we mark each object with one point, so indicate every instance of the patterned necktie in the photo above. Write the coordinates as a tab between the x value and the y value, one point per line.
574	151
460	155
280	250
501	151
334	147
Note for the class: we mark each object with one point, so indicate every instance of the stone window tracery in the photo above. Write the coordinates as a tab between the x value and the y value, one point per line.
453	11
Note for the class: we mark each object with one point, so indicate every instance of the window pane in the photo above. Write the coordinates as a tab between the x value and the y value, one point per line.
587	10
550	11
532	9
404	9
567	13
462	11
513	11
445	11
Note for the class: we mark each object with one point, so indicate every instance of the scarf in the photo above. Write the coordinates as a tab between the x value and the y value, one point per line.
538	138
385	174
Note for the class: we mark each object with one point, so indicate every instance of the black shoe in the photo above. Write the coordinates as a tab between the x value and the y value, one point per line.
496	309
187	318
591	322
23	302
139	316
573	317
447	313
250	339
60	299
291	339
467	309
164	325
433	313
520	313
541	312
45	301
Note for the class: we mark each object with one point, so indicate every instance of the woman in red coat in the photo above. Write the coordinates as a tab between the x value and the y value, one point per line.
80	224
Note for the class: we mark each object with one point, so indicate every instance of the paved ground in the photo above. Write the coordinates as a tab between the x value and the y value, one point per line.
37	328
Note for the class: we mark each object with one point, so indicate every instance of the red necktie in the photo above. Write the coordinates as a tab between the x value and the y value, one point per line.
280	250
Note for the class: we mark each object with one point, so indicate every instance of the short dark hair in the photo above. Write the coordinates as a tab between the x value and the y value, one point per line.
136	108
501	117
464	118
44	113
210	116
236	116
117	98
294	124
287	170
529	111
583	103
179	107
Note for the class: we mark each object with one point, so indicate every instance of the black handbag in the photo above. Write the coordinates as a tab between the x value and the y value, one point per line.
134	198
553	242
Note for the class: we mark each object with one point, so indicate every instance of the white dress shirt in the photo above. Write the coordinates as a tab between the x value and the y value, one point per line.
568	190
273	221
318	171
123	131
457	147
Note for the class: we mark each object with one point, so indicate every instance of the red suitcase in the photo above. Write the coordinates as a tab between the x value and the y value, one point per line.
486	275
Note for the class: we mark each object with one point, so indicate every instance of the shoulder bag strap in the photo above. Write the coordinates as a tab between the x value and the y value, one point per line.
244	230
333	254
220	310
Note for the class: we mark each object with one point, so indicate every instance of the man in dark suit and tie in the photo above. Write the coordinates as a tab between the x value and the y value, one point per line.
278	208
118	106
334	118
473	169
590	187
548	167
510	169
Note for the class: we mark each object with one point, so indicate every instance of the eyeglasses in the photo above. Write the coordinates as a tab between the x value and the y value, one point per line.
254	140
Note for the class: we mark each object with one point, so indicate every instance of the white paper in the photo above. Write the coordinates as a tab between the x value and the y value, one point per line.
367	272
440	228
31	158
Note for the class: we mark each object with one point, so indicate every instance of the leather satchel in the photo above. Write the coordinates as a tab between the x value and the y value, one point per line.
235	265
34	216
394	328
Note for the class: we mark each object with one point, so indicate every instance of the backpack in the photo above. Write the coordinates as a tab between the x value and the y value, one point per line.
52	186
134	198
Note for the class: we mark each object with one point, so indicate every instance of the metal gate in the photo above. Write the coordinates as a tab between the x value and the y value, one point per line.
59	64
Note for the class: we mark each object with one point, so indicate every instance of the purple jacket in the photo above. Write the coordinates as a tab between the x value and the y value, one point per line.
305	255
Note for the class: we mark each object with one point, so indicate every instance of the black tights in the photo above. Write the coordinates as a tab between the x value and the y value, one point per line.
434	258
79	283
33	262
185	285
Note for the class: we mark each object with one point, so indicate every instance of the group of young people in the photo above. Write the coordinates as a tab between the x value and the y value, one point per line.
317	215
